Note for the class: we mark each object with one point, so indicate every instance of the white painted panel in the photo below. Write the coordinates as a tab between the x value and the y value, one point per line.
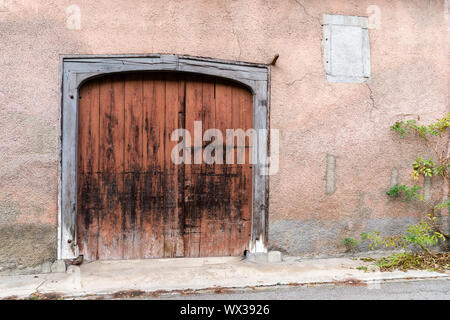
346	51
346	48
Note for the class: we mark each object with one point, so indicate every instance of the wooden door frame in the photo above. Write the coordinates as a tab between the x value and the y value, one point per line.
75	70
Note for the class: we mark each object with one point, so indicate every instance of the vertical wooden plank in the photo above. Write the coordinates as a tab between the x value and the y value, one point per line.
111	159
83	216
148	164
192	189
181	168
153	166
133	155
240	178
244	223
88	197
222	180
172	233
207	206
236	169
160	109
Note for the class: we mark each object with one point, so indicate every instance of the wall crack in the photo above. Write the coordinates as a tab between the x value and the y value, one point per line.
371	97
297	80
307	13
233	30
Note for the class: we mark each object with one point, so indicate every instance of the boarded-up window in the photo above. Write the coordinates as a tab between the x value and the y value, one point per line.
346	48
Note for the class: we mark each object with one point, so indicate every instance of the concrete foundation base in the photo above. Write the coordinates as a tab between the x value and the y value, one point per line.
58	266
265	257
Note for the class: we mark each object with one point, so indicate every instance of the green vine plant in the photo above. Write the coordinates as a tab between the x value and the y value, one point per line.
405	192
435	136
426	233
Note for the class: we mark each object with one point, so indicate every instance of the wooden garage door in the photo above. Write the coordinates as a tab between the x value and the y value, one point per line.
133	201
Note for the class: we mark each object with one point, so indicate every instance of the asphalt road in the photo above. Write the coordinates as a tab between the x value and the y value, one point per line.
405	290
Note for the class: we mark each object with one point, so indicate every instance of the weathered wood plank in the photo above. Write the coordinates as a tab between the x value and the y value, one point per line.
222	186
150	181
181	169
206	203
111	165
173	243
192	216
243	225
133	155
260	170
237	171
88	143
153	159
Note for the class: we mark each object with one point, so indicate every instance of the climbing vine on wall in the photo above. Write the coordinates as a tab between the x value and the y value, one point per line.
436	137
426	233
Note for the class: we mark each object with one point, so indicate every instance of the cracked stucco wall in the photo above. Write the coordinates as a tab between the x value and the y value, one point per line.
409	59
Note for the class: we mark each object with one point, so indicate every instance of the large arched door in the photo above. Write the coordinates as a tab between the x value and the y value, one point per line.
133	200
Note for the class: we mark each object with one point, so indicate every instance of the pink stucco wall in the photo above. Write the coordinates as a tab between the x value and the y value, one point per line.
410	79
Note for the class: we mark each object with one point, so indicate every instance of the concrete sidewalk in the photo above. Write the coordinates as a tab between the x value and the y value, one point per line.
190	274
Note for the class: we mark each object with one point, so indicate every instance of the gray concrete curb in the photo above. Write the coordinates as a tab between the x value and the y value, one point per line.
189	275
